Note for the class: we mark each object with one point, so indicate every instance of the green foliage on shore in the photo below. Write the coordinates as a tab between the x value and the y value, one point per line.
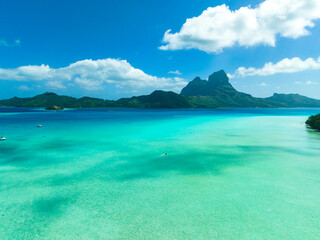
314	122
54	107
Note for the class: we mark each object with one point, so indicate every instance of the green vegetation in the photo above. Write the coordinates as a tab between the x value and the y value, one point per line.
50	99
157	99
314	122
294	100
218	92
54	107
212	93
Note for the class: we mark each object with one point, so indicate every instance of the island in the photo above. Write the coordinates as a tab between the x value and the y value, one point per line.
314	122
216	92
54	107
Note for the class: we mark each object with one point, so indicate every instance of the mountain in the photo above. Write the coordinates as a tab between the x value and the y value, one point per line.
42	100
157	99
50	99
294	100
218	82
216	92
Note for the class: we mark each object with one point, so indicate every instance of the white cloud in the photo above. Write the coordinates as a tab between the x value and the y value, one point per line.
55	85
284	66
263	84
17	42
219	27
91	75
177	72
306	83
24	88
5	43
311	83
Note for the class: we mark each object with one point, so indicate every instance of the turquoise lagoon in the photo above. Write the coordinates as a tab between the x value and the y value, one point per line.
103	174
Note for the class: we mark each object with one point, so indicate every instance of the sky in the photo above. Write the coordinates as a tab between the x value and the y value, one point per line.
113	49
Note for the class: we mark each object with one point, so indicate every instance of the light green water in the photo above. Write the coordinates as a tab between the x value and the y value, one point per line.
225	177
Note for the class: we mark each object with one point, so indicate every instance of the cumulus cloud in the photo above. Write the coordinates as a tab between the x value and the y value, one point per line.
219	27
91	75
177	72
284	66
55	85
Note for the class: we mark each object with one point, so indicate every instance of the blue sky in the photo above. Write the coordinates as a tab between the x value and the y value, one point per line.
112	49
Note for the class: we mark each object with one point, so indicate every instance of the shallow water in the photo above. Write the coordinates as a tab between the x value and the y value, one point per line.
102	174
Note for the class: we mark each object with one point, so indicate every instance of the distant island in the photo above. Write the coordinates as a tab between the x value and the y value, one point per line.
314	122
54	107
216	92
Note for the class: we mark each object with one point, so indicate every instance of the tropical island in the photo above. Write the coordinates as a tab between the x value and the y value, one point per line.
216	92
314	122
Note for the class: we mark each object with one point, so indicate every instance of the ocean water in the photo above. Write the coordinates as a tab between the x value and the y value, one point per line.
104	174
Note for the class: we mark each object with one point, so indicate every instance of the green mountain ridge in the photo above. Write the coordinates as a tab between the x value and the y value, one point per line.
294	100
216	92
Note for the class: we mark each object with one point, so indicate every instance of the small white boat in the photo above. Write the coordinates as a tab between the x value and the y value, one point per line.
39	125
3	138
